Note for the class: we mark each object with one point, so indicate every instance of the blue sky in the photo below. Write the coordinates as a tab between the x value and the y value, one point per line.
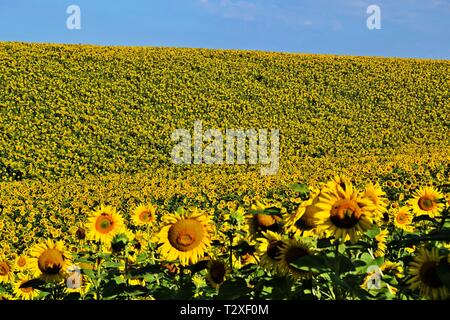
409	28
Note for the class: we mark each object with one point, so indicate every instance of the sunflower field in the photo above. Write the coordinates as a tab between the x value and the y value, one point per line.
92	207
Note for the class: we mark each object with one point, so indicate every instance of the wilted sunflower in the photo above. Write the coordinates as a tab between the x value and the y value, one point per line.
425	276
343	213
144	215
120	241
24	293
403	219
291	251
217	270
381	240
49	261
103	224
186	236
426	201
303	221
269	248
6	270
377	196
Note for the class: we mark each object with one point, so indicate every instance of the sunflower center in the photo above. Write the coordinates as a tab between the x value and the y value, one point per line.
26	289
217	272
104	223
426	204
50	262
21	262
429	275
186	234
402	218
293	254
273	249
305	223
145	216
4	269
345	214
265	220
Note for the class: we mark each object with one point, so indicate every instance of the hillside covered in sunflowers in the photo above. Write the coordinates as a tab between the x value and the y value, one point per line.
92	207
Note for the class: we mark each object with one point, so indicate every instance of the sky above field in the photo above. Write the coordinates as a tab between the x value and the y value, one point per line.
401	28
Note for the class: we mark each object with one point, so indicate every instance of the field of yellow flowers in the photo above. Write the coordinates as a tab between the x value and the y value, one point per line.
92	207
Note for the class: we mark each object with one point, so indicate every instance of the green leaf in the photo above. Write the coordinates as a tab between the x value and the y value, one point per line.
372	233
312	263
300	188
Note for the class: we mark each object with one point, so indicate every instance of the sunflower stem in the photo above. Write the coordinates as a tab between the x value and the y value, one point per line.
231	252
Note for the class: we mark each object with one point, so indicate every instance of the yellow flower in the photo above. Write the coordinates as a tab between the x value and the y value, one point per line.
103	224
426	201
217	270
303	221
291	251
377	196
423	270
49	260
403	219
269	247
144	215
343	213
24	293
381	240
186	236
6	270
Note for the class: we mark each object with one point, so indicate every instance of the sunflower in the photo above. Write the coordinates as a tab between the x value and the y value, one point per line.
303	221
6	270
24	293
396	268
144	215
103	224
343	213
21	263
381	240
49	261
269	248
291	251
217	270
403	219
377	196
186	236
426	201
423	270
120	241
258	222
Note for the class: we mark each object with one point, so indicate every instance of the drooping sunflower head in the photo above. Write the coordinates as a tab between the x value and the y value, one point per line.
120	241
425	277
217	271
377	196
186	236
6	270
49	260
144	215
427	201
344	214
269	248
303	222
291	251
103	224
24	292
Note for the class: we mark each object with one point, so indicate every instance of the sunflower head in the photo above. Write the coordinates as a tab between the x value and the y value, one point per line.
291	251
377	197
49	260
24	292
424	274
186	236
303	222
120	241
258	221
269	248
427	201
381	240
6	270
343	213
144	215
403	218
217	271
103	224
